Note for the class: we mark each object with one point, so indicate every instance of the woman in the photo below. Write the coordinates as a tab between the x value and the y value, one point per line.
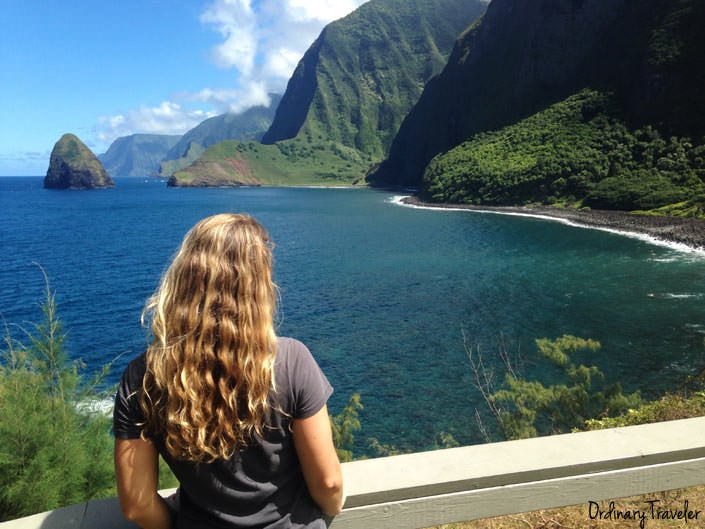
238	413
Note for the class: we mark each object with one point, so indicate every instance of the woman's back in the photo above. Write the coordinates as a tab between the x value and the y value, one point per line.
255	486
238	414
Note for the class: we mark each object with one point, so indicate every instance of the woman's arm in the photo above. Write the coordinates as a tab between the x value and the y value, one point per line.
137	474
313	440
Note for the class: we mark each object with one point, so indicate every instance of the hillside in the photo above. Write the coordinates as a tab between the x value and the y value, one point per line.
524	57
137	155
361	76
576	152
250	124
348	95
294	162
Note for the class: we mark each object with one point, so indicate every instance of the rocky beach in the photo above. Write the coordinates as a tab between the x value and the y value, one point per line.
689	232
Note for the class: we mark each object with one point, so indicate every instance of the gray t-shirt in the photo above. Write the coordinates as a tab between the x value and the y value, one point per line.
259	487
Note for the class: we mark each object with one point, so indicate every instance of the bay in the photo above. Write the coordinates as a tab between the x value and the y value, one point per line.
386	297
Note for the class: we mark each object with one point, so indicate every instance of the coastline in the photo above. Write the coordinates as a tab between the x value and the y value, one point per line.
685	233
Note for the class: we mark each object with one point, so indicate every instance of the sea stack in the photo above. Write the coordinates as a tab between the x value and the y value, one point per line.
74	166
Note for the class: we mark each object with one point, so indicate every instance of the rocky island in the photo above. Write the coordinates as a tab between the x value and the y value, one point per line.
74	166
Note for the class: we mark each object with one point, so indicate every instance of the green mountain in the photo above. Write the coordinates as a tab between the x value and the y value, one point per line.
138	154
74	166
510	107
250	124
361	76
348	95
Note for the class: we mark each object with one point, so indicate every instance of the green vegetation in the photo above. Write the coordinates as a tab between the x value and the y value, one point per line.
440	441
193	152
301	161
670	407
527	408
346	100
70	148
585	401
357	82
55	449
344	425
373	66
577	152
249	125
691	208
518	62
73	165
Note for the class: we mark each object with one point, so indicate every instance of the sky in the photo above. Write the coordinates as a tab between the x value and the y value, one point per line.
106	69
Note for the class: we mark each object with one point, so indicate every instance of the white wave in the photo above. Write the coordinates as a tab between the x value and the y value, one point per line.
102	406
673	295
677	246
697	328
321	186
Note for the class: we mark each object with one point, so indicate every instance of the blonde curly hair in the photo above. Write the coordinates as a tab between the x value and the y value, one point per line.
210	364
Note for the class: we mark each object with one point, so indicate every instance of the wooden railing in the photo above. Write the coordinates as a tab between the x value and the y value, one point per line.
429	488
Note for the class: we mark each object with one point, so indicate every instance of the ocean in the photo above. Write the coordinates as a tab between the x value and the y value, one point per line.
387	297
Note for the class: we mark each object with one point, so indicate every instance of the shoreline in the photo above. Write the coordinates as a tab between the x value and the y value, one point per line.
687	233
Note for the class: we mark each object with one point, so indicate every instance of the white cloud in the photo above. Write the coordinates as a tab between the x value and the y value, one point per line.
265	40
322	10
167	118
252	93
235	20
280	63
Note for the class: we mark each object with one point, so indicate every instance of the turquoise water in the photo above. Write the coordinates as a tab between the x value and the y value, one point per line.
384	295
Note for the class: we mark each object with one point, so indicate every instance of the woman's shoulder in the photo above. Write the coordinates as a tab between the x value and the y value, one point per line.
290	346
299	378
134	371
293	354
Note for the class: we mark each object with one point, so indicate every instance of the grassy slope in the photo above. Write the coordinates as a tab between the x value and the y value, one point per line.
245	126
292	162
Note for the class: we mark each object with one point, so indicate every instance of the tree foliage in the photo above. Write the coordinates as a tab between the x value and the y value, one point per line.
578	152
527	408
344	425
55	448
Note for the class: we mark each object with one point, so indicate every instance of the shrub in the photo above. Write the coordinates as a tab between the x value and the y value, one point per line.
343	426
670	407
55	449
527	408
